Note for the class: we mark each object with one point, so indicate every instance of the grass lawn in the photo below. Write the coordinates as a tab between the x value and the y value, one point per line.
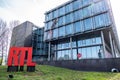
44	72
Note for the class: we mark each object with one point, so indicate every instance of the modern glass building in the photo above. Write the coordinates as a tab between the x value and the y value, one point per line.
40	48
29	35
81	27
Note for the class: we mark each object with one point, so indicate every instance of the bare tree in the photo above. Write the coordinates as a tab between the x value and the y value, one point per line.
3	32
5	37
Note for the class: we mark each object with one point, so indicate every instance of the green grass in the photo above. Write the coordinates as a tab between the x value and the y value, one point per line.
55	73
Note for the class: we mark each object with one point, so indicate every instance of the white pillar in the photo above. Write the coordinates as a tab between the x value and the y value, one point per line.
103	42
111	44
71	48
49	52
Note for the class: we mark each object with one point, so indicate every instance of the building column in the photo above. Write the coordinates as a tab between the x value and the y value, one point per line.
71	48
103	42
49	51
114	48
111	44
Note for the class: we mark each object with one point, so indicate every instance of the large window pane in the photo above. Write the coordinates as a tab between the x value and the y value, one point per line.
88	41
74	54
79	43
89	53
78	26
59	46
99	21
77	4
94	52
49	25
86	2
50	16
68	8
98	40
67	55
69	29
88	24
84	56
69	18
62	31
55	13
107	19
87	11
61	21
59	55
62	11
78	15
74	44
49	34
55	33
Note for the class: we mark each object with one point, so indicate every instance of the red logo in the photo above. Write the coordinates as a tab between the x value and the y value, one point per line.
17	56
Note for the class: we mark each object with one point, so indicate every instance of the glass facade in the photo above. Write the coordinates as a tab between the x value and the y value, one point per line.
74	19
83	15
39	47
87	47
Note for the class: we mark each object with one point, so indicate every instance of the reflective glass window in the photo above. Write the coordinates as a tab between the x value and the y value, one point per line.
88	24
74	51
98	40
87	11
49	34
67	55
50	16
61	21
94	52
68	8
59	46
69	18
62	11
86	2
49	24
88	41
78	15
73	44
79	43
99	21
83	53
55	33
107	19
55	13
78	26
62	31
69	29
89	53
59	54
77	4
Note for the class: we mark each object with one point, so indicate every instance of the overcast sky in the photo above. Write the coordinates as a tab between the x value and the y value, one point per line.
33	10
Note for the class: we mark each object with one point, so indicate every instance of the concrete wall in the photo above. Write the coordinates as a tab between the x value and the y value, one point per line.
86	64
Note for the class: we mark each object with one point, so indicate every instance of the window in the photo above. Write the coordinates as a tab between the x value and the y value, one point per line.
66	55
89	52
49	34
55	13
61	11
74	44
69	29
74	53
61	21
62	31
86	2
69	18
55	33
45	35
68	7
99	21
59	54
100	7
46	17
77	4
50	16
107	19
78	15
79	43
78	26
88	41
83	53
88	24
49	24
94	52
87	11
67	45
59	46
98	40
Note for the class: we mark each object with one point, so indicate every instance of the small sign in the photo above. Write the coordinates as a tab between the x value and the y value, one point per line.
79	55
